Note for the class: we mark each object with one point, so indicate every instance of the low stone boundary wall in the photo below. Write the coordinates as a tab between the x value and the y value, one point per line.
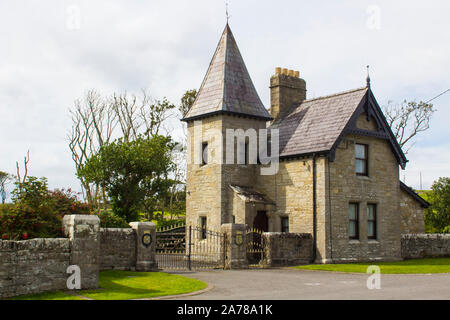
285	249
425	245
33	266
39	265
117	249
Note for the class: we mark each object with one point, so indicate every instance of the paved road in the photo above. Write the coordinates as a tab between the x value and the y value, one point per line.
285	284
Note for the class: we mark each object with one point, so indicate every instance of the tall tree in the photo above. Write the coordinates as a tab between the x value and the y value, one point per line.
407	120
129	171
93	123
176	197
96	120
186	101
437	216
21	179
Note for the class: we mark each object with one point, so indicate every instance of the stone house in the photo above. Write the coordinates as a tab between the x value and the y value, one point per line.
338	172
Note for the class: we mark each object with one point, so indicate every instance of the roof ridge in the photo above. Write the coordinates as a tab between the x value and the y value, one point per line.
335	94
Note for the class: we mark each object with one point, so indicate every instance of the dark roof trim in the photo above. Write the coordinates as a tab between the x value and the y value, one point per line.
226	112
355	115
368	133
381	118
413	194
303	155
370	106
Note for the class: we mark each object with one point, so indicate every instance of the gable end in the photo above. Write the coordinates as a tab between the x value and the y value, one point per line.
414	195
370	107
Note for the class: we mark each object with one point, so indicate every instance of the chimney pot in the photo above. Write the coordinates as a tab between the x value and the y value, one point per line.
291	73
284	71
297	74
277	70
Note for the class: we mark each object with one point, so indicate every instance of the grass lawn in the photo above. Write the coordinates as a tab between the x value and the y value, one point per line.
125	285
432	265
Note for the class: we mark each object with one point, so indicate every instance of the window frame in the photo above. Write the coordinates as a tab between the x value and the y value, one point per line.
366	160
355	221
204	147
374	221
246	153
203	224
282	226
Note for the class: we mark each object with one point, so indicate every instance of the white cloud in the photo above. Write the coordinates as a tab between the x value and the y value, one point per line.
166	46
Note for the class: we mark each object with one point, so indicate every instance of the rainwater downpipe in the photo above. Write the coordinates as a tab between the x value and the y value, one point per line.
314	210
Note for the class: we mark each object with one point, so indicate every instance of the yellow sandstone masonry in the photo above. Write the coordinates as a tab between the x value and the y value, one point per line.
225	193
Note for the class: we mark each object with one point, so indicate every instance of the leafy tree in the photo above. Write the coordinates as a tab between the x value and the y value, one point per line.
129	171
177	194
96	119
437	216
30	191
407	120
186	101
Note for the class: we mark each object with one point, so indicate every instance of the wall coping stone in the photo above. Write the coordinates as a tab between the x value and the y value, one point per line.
426	235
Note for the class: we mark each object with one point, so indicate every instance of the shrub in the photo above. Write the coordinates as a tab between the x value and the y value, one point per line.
38	212
109	219
66	202
22	219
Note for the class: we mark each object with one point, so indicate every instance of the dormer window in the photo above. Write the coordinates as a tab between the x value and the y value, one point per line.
361	157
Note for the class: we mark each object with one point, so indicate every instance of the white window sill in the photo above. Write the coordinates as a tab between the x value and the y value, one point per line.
367	178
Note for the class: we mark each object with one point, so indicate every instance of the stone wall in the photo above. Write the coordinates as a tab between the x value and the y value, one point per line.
210	183
203	182
292	191
39	265
285	249
117	249
380	187
425	245
33	266
411	213
83	233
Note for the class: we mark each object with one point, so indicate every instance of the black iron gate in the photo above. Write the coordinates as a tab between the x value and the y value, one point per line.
171	247
190	248
255	246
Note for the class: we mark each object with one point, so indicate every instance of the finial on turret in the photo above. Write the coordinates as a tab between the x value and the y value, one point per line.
368	77
226	11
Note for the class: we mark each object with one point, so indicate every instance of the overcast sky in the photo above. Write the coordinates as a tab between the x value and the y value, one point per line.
52	52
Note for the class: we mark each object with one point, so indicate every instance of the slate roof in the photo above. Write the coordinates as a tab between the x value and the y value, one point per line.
315	124
227	86
250	195
414	195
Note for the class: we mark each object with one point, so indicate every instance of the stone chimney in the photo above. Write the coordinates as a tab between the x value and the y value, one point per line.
286	89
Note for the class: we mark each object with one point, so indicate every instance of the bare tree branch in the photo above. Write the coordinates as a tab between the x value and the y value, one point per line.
407	120
21	181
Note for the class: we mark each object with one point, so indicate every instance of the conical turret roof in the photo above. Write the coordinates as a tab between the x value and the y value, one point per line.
227	86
